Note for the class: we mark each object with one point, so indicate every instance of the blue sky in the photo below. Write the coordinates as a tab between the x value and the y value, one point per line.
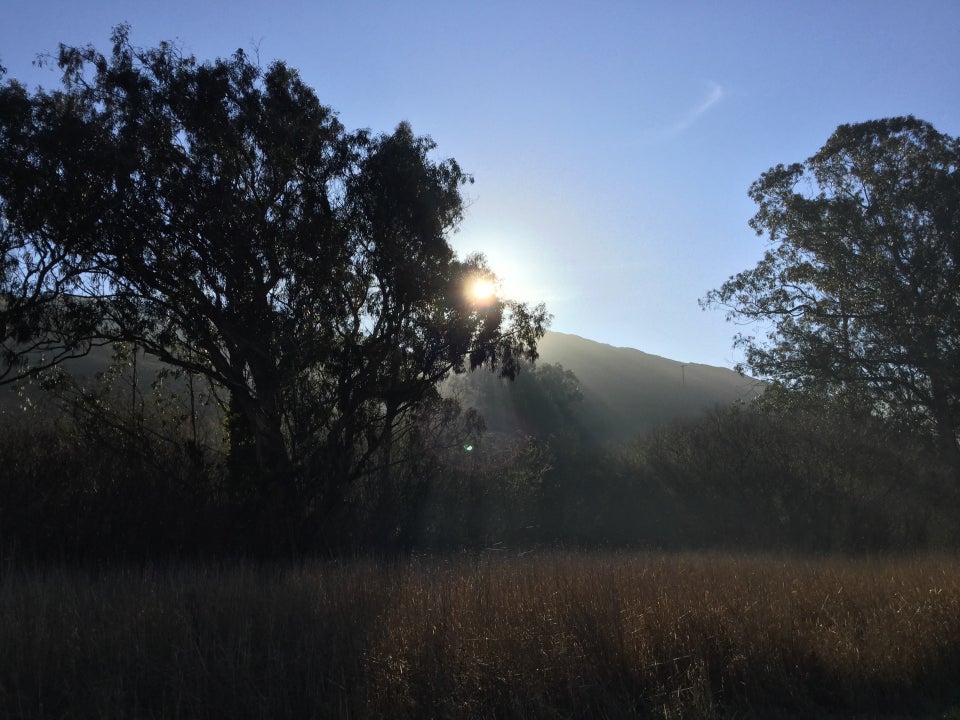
612	142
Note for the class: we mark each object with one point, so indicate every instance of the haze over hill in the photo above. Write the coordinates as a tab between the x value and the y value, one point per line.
625	391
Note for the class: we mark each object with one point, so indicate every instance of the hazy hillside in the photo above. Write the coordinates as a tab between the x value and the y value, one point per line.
625	391
84	370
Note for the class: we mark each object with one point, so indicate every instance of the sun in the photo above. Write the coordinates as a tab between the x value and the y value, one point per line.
482	290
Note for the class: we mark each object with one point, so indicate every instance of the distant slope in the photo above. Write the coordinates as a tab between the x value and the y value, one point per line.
636	391
84	370
626	392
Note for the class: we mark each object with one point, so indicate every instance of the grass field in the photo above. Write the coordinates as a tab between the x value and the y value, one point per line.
539	636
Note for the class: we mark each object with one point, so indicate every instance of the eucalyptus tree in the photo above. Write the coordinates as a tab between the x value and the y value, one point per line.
220	217
859	291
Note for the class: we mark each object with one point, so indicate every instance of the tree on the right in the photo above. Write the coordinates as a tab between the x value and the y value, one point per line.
857	298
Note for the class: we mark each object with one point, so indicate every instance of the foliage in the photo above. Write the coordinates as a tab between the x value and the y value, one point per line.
103	468
810	479
222	219
543	401
107	469
111	467
860	290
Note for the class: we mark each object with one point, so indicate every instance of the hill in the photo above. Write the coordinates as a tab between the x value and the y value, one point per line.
85	371
625	392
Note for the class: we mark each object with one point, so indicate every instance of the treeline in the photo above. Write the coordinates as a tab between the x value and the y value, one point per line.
113	472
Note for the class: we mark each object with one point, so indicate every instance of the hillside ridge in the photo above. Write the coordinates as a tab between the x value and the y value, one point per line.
625	391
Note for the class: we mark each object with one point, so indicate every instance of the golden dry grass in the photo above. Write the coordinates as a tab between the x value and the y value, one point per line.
539	636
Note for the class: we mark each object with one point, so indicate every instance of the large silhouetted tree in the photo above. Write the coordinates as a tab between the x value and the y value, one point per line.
221	218
860	289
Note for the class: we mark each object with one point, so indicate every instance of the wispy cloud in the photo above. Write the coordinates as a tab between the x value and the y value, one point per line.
715	94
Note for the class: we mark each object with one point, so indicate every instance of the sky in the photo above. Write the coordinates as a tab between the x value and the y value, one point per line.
612	142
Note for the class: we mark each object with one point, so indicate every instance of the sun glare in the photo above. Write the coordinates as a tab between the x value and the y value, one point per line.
482	290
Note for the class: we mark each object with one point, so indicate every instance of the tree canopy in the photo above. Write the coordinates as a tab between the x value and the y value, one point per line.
859	293
220	217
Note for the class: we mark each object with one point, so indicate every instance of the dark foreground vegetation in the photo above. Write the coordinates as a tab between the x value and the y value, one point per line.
91	477
543	636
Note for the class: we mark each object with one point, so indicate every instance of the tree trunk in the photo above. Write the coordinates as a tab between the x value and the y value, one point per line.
387	509
262	472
